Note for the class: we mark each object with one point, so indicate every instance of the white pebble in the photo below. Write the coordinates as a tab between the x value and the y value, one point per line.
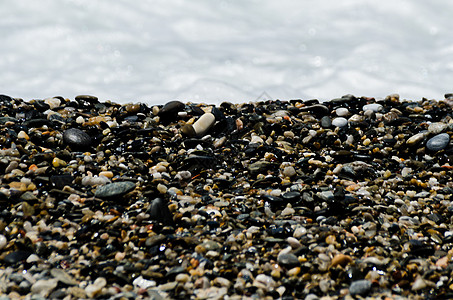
375	107
288	211
43	287
95	288
52	102
202	125
342	112
339	122
143	283
3	241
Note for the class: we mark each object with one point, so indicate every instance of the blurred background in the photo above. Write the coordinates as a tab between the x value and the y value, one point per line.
214	51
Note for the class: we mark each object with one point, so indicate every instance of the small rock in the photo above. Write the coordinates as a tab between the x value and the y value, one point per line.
115	189
437	127
289	171
288	260
43	287
95	288
342	112
63	276
419	284
158	211
438	142
326	122
360	287
3	241
203	124
340	122
77	139
374	107
340	260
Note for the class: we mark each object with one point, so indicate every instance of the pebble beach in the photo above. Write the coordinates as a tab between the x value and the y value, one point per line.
299	199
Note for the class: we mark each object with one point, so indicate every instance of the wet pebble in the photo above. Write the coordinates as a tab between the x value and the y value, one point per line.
115	189
77	139
438	142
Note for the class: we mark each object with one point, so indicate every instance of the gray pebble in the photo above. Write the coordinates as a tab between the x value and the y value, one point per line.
360	287
326	122
288	260
114	189
438	142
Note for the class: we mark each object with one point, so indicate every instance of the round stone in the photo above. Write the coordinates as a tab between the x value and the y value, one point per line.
375	107
342	112
360	287
340	122
114	189
438	142
77	139
288	260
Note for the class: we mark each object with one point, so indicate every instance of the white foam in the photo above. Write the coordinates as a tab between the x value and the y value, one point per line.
238	51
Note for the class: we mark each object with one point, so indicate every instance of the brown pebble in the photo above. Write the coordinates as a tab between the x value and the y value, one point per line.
340	260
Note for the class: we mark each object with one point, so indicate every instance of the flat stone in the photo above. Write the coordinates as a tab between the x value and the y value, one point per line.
63	276
438	142
115	189
374	107
288	260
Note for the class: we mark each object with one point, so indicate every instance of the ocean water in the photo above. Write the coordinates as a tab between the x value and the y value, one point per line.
213	51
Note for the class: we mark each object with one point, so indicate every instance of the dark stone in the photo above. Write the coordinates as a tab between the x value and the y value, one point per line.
115	189
60	181
16	257
158	211
77	139
169	112
288	260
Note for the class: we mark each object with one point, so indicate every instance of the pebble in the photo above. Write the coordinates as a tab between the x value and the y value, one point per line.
3	241
44	287
115	189
360	287
340	122
95	288
374	107
288	260
77	139
342	112
438	142
203	124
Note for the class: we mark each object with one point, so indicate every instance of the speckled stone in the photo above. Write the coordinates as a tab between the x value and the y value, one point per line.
438	142
115	189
